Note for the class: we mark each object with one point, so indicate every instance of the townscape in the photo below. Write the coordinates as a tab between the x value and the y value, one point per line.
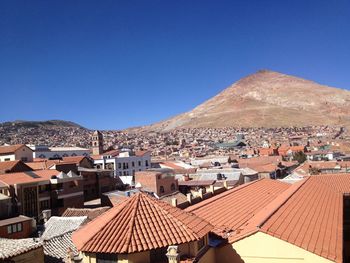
156	197
174	131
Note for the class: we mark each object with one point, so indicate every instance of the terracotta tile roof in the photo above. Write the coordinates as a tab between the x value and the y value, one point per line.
27	177
311	219
235	207
138	224
338	182
11	165
10	148
141	153
309	215
41	165
91	213
196	183
74	159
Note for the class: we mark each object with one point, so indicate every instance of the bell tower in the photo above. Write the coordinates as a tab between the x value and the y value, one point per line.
97	143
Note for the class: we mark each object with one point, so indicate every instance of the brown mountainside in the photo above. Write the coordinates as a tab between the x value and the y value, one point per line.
267	99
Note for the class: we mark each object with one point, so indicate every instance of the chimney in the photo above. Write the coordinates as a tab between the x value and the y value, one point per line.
174	202
189	198
200	193
211	189
173	254
226	185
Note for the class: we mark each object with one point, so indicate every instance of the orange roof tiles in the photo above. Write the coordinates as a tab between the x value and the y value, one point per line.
27	177
10	166
309	215
138	224
235	207
311	219
10	148
74	159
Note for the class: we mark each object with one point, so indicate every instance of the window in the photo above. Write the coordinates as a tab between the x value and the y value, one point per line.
44	188
146	162
7	159
172	187
44	204
139	163
106	258
133	164
119	165
24	159
14	228
161	189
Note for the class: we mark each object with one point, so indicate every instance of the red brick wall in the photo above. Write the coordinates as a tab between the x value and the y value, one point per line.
25	233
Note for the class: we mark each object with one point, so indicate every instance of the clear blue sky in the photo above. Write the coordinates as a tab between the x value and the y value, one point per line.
115	64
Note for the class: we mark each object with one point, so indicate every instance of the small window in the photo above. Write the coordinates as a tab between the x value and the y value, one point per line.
24	159
19	227
139	163
14	228
133	164
161	189
172	187
9	229
146	162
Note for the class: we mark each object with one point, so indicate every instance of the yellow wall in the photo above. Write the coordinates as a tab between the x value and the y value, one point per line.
263	248
190	249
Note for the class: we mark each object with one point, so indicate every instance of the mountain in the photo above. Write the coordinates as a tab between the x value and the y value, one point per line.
267	99
40	124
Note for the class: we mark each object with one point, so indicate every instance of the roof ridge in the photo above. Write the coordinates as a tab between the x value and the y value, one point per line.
109	214
274	207
212	199
132	221
253	225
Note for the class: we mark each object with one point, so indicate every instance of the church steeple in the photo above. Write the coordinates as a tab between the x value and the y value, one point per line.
97	143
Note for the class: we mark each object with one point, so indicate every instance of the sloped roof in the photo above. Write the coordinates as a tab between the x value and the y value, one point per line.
57	237
12	165
14	247
235	207
57	248
309	215
91	213
27	177
312	219
10	148
138	224
57	226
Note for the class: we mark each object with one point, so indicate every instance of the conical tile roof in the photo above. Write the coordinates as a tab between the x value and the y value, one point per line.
138	224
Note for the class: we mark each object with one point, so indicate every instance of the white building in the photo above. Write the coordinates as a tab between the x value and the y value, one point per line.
41	151
16	152
124	163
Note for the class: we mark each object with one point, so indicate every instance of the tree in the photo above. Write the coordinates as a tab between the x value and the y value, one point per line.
300	157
